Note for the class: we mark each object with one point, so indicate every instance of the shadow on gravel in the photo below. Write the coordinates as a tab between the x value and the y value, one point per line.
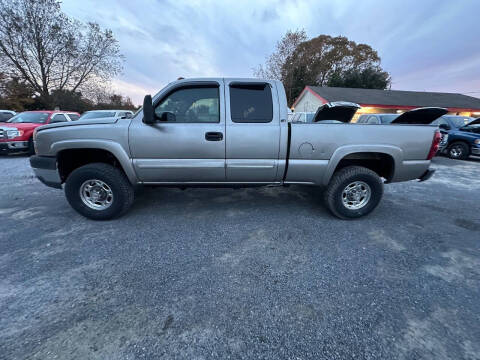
281	199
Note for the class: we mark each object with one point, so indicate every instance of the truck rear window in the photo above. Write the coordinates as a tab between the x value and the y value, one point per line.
251	103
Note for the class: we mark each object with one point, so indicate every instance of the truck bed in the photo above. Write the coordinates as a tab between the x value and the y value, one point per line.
315	149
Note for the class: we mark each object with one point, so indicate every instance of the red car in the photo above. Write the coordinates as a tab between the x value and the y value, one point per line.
16	134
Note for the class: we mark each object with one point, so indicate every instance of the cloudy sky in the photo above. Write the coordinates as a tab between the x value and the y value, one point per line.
431	45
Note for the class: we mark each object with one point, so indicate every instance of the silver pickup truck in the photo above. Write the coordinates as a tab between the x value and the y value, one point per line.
229	132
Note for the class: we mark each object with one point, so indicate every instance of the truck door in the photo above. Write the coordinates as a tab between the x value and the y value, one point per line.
187	144
252	131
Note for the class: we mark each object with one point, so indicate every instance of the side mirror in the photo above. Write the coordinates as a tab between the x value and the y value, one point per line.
444	127
168	116
148	114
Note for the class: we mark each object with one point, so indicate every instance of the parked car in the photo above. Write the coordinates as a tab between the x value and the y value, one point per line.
460	136
6	114
376	119
424	115
16	134
101	114
305	117
229	132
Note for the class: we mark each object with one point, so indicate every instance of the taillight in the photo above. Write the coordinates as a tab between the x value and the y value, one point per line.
437	137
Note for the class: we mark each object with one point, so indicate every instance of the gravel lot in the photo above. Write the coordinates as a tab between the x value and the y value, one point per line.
262	273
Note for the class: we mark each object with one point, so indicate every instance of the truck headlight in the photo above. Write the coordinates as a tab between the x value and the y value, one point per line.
13	133
476	141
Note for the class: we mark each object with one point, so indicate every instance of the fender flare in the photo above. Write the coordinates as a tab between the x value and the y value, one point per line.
395	152
108	145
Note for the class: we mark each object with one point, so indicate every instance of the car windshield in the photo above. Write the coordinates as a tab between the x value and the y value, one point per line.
387	119
30	117
97	115
310	117
459	121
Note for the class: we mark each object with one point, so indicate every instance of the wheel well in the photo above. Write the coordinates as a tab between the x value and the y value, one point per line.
457	142
381	163
71	159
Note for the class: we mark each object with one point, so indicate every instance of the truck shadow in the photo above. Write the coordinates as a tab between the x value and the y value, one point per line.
206	201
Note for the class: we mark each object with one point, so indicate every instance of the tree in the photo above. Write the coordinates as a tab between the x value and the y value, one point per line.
43	47
15	94
283	50
115	101
369	78
298	62
70	100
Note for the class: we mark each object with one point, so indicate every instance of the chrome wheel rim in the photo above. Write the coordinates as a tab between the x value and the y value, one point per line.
96	194
356	195
456	151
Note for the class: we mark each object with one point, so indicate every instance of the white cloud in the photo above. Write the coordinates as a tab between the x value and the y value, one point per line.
163	40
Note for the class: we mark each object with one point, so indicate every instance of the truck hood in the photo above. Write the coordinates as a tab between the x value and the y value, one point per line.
420	116
338	110
110	120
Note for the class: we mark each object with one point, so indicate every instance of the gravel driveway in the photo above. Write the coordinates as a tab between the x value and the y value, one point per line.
259	273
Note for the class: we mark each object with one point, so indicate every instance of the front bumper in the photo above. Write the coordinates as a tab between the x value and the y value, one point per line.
427	175
45	169
475	150
13	146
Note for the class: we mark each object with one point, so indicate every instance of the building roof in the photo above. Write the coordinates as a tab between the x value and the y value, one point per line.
394	98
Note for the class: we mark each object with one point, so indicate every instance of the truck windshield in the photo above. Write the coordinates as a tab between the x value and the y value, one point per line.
30	117
97	115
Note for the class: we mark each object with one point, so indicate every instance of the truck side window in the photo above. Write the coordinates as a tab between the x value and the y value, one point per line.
372	120
193	104
251	103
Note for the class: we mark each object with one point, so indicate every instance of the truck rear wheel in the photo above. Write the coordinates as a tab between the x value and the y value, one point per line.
99	191
353	191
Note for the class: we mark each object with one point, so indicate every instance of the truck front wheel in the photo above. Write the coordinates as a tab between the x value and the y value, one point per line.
99	191
353	191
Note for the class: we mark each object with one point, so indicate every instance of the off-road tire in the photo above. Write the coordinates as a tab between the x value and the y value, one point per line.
123	193
460	146
341	179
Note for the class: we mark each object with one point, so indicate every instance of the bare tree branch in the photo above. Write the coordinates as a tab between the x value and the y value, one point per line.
42	46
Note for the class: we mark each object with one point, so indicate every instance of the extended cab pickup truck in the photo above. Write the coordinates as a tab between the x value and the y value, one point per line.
228	132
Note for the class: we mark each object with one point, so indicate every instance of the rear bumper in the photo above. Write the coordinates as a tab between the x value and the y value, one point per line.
427	175
45	169
410	170
13	146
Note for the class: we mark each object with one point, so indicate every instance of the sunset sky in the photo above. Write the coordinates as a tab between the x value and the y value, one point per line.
425	45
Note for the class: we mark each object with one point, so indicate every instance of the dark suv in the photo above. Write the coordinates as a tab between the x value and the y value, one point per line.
460	136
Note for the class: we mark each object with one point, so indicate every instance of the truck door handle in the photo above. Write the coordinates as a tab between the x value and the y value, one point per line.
213	136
